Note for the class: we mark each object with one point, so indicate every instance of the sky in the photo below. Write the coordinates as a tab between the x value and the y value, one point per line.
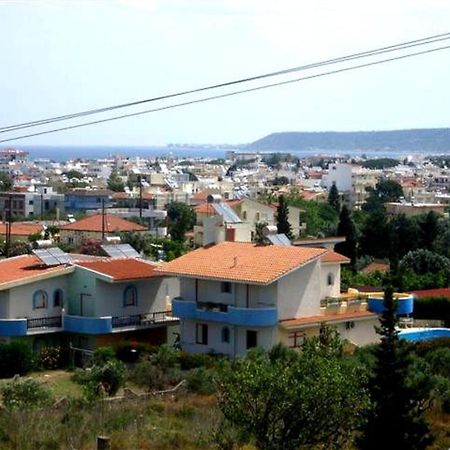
65	56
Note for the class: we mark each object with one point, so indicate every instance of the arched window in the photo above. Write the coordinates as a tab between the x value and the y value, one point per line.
130	296
225	334
58	298
330	279
40	299
244	215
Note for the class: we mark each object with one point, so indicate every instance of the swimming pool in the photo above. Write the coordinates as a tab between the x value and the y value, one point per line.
423	334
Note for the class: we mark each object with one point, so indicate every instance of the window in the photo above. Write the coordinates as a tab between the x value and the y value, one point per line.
252	339
244	215
225	334
257	217
201	334
40	299
296	339
58	298
225	287
30	202
330	279
130	296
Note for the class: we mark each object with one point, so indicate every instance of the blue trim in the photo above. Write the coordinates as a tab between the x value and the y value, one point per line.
40	292
423	334
256	317
130	287
404	305
13	327
87	325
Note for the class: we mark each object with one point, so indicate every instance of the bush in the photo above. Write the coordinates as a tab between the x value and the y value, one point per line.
27	393
131	352
201	381
49	358
16	358
166	357
190	361
148	376
102	380
102	355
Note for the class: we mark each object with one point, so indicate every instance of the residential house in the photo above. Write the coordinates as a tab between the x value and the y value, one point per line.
97	226
90	303
20	230
86	199
234	296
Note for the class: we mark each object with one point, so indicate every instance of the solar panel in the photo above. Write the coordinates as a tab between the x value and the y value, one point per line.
58	254
52	256
279	239
120	251
228	214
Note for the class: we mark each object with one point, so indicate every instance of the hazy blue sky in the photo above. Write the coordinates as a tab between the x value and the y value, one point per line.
64	56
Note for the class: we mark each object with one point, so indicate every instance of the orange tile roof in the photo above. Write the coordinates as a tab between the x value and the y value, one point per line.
122	269
24	267
206	208
21	229
334	257
443	292
112	224
242	262
311	320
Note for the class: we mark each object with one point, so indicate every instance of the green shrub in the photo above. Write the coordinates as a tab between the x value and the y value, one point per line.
424	347
166	357
148	376
102	380
194	360
201	381
22	394
49	358
16	358
104	354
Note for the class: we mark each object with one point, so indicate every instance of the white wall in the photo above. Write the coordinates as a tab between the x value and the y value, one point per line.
21	298
363	332
299	292
266	338
341	175
335	289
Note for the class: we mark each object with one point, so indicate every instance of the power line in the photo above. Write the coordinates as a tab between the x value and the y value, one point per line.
229	94
396	47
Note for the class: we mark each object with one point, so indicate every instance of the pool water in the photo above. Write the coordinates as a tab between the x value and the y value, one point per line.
423	334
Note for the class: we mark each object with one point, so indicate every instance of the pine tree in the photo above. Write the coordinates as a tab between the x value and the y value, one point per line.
346	227
396	420
333	198
282	218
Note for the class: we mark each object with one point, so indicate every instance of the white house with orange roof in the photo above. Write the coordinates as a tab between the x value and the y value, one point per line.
96	226
234	296
89	302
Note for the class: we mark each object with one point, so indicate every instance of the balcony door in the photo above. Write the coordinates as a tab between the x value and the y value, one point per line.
86	306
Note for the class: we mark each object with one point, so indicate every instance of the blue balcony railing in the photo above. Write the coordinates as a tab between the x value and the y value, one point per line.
231	315
404	304
87	325
13	327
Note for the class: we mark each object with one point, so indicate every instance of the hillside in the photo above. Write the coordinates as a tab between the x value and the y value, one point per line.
426	140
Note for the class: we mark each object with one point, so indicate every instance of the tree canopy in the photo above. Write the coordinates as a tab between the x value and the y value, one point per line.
181	219
282	218
6	182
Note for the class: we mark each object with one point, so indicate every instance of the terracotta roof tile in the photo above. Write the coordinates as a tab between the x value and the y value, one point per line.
334	257
112	224
24	267
122	269
242	262
443	292
21	229
292	323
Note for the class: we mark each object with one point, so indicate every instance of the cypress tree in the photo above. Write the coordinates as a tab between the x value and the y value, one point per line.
346	227
396	419
333	198
282	218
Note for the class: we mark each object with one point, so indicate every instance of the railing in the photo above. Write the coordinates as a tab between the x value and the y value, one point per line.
137	320
338	301
44	322
211	306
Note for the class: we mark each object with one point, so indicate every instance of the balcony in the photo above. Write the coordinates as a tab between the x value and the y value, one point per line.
107	325
404	303
222	313
343	304
24	326
142	320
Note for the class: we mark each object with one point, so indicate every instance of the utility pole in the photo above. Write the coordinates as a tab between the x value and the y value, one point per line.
8	227
140	197
103	219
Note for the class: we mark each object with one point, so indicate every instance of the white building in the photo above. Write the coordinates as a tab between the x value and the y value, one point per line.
234	296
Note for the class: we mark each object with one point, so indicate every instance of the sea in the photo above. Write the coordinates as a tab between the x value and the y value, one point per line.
64	153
